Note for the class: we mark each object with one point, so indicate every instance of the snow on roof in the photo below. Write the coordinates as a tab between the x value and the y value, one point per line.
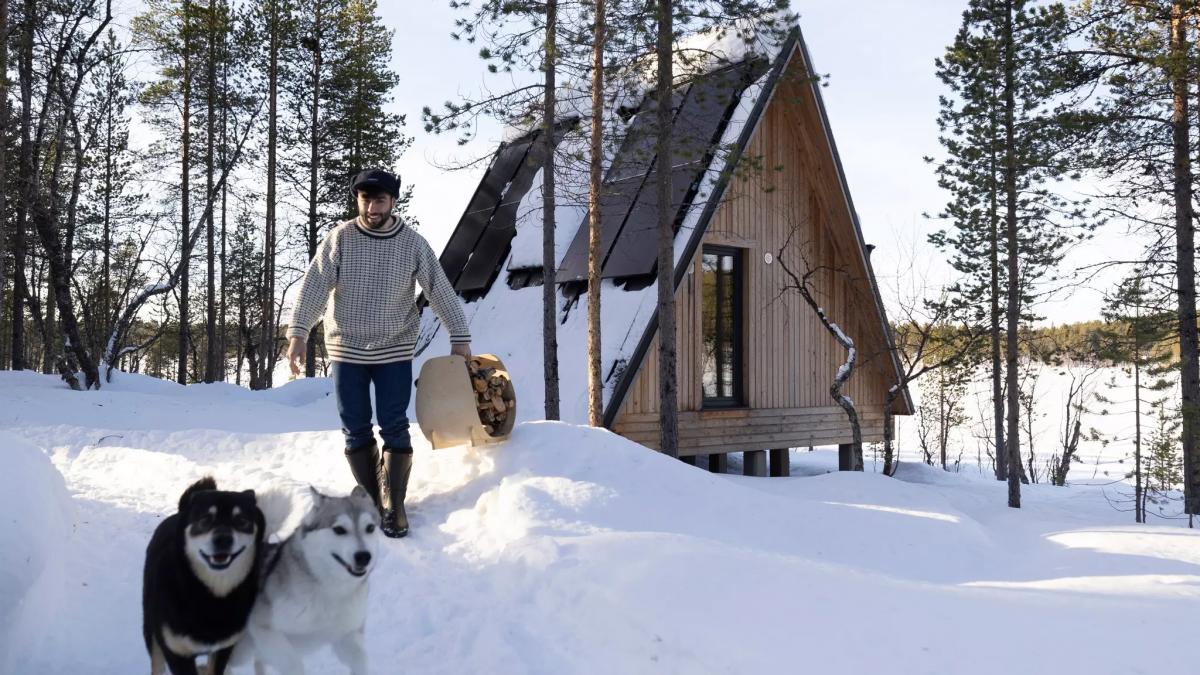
695	54
508	322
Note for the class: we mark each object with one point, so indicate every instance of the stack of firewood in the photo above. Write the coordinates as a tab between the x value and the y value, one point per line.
489	396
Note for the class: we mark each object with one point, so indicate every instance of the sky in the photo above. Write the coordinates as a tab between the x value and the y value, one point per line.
881	94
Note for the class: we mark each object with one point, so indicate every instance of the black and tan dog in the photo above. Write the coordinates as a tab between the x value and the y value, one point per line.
201	578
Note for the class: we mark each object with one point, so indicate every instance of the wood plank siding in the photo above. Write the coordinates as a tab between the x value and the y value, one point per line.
792	208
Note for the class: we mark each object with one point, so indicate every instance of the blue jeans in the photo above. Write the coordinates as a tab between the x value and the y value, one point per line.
393	388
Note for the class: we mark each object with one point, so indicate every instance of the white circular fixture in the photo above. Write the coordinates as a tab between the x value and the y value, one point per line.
768	258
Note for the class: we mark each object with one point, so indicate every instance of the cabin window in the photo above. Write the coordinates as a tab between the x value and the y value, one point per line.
721	317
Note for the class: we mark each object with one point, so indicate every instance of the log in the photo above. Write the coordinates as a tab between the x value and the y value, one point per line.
490	401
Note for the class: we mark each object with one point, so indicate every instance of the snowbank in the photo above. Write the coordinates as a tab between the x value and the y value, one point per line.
35	511
572	550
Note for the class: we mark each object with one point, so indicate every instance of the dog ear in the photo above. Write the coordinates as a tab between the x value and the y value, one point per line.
249	494
206	483
315	494
359	492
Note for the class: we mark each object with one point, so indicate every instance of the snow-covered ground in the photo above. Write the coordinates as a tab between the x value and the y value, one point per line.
572	550
1105	458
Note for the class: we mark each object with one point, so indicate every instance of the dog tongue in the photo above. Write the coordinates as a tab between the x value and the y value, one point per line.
220	558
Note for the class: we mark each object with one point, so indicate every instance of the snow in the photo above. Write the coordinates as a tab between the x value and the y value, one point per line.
508	323
1104	462
29	538
851	355
572	550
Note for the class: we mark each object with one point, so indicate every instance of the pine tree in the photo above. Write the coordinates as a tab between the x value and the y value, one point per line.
318	25
245	271
109	212
1144	55
215	23
50	190
363	134
275	23
1134	338
668	378
549	254
4	141
1164	470
167	29
506	32
29	19
1008	130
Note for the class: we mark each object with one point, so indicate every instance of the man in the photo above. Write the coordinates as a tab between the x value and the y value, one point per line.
371	264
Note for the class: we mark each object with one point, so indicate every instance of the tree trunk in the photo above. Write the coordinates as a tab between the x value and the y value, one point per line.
210	328
549	259
944	423
668	383
3	160
890	461
185	197
60	296
223	312
595	383
46	217
267	341
106	308
50	346
994	334
994	308
1013	439
1139	515
1185	260
24	171
314	158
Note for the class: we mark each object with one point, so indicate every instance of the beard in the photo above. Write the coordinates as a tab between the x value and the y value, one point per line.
375	220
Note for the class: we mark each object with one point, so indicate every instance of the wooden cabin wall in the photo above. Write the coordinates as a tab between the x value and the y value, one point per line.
792	208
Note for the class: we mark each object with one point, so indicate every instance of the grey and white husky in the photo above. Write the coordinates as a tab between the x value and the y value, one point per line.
315	588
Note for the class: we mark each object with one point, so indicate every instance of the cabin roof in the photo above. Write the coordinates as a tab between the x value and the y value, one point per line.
715	114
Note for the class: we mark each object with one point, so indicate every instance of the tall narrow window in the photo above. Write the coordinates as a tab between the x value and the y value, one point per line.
721	315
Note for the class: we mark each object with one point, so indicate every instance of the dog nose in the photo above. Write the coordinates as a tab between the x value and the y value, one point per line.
362	559
222	539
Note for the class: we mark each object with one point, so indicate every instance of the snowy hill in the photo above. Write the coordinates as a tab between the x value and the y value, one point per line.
572	550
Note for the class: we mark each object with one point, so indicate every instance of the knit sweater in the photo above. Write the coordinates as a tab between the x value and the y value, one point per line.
372	275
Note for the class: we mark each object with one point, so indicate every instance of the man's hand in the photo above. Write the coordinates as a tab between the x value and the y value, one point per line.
461	350
297	350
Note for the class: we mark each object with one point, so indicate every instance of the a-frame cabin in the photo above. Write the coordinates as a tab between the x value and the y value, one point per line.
757	186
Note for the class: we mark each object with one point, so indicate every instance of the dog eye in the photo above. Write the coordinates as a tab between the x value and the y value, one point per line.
204	523
243	523
370	528
339	530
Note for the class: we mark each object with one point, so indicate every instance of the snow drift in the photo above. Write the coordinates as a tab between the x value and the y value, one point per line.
572	550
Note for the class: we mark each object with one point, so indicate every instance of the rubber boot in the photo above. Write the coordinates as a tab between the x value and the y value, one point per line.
397	465
364	464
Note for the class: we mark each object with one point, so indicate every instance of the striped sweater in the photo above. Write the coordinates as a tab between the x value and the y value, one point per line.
372	274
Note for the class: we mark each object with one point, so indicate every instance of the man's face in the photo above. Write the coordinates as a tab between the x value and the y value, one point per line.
374	209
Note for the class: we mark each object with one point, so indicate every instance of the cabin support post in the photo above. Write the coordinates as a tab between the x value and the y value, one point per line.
718	462
781	462
846	457
754	463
